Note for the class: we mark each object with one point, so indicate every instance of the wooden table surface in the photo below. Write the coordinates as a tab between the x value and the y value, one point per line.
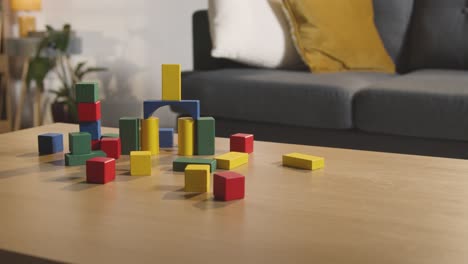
364	207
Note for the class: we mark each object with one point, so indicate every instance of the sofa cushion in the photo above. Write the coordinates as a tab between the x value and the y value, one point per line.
392	19
438	35
333	37
282	97
426	103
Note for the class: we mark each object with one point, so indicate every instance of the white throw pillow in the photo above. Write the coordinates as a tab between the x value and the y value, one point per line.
253	32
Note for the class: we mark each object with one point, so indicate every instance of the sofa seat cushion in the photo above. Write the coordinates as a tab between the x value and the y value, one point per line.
426	103
276	96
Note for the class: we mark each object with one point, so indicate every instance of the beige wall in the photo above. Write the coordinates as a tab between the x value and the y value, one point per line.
132	38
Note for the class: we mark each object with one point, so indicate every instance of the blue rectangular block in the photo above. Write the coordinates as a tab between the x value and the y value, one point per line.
50	143
94	128
191	107
166	137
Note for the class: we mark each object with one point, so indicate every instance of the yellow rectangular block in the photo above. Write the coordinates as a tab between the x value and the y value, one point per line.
171	80
231	160
303	161
140	163
197	178
150	135
185	133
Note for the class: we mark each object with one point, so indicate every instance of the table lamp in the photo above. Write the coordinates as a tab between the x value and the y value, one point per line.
26	23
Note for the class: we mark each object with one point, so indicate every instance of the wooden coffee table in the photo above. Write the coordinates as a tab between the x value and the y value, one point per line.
364	207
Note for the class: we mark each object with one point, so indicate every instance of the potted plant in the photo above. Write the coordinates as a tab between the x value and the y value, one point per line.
52	56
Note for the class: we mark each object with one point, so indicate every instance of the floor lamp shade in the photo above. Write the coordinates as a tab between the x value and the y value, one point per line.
26	23
26	5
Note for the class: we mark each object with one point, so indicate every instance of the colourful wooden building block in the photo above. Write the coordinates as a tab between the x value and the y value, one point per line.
191	106
79	143
241	142
95	144
231	160
75	160
186	135
50	143
129	131
303	161
228	185
109	135
100	170
197	178
140	163
180	163
111	146
89	112
171	80
205	143
166	137
93	128
150	135
86	92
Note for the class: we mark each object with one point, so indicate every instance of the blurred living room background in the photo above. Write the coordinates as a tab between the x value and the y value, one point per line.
130	39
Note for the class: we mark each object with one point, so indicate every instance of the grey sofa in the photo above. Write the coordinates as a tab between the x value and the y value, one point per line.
421	110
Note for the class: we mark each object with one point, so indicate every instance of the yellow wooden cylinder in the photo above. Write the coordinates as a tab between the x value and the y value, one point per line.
185	135
150	135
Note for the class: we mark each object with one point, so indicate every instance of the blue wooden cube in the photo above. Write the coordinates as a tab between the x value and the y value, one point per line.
94	128
166	137
50	143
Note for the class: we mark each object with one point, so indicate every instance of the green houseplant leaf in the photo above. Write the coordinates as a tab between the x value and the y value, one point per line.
52	55
38	69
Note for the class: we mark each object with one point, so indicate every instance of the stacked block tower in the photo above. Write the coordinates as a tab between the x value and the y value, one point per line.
85	144
89	111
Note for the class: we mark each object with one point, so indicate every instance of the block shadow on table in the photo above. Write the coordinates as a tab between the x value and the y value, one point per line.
25	171
68	178
14	257
211	203
179	194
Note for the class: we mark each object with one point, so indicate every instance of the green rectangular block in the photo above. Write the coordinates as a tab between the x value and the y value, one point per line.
179	164
79	143
75	160
129	131
205	136
86	92
110	135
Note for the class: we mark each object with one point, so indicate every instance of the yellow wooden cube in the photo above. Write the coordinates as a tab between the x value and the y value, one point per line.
185	133
171	80
140	163
197	178
303	161
231	160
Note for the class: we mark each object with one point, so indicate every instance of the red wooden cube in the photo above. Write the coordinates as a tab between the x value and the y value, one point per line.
100	170
111	146
95	144
242	142
88	112
228	185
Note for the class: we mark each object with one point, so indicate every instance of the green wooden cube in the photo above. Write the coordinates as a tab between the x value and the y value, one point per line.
76	160
86	92
129	131
179	164
79	143
205	136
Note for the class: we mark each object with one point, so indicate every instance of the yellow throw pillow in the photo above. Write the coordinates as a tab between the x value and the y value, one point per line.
337	35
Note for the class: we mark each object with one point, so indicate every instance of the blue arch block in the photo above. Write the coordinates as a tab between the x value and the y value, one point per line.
191	106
